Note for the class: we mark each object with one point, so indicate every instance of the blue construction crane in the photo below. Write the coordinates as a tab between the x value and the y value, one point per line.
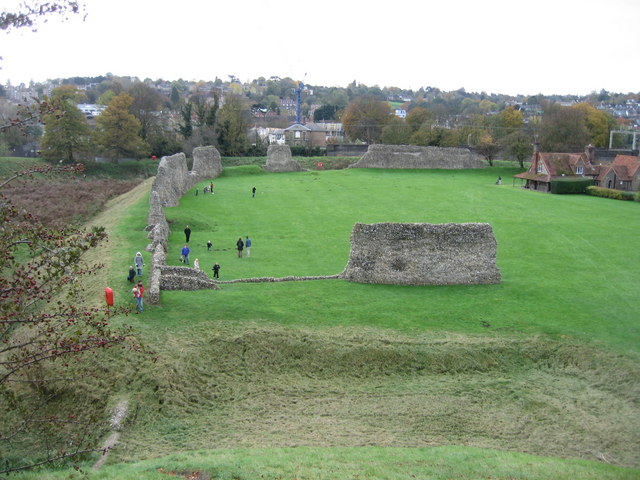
299	98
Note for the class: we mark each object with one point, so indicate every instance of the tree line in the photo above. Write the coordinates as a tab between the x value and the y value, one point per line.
139	121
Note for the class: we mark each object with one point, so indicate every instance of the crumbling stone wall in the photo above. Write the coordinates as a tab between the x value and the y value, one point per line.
173	177
172	180
422	254
279	160
185	278
411	156
206	163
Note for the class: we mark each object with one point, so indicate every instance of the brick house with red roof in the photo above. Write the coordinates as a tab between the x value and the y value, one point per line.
546	167
622	174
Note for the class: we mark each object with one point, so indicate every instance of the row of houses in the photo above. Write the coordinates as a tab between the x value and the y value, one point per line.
623	173
297	135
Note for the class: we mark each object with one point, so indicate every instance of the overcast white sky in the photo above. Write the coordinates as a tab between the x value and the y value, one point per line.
496	46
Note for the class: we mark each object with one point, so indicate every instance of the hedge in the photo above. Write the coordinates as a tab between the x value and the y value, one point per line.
570	185
610	193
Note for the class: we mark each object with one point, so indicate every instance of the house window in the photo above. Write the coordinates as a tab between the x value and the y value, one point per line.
579	170
297	135
539	168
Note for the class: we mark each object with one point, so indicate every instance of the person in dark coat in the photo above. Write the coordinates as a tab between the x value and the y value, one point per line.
216	269
132	274
209	245
240	245
187	233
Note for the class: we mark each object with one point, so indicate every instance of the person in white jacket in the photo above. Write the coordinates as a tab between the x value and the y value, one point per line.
139	263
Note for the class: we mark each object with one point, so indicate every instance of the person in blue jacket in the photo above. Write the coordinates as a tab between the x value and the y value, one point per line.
247	245
185	254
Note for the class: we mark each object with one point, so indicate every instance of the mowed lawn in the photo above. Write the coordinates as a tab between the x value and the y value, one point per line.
569	263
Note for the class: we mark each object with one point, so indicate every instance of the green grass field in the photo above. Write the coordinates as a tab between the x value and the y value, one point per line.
379	381
568	263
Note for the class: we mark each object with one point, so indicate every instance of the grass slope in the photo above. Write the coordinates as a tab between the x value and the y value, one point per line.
254	368
370	463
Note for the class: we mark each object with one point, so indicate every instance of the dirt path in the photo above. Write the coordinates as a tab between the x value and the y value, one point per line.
119	414
109	218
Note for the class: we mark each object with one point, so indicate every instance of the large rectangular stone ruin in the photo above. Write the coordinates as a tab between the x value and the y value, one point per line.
412	156
423	254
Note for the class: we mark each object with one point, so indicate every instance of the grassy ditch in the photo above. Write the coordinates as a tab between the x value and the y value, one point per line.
229	386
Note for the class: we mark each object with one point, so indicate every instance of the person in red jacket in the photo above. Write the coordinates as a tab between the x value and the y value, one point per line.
139	299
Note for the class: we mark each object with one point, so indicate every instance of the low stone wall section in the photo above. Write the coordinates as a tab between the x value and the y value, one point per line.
422	254
410	156
290	278
279	160
185	278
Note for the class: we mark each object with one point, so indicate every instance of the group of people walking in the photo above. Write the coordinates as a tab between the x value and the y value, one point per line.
241	246
138	288
138	260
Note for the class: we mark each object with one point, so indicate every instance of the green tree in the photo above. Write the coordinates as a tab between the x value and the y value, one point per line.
106	97
488	148
175	96
417	117
326	113
510	120
212	113
396	132
232	125
67	135
146	101
518	146
186	127
563	129
431	136
365	117
117	130
199	109
598	123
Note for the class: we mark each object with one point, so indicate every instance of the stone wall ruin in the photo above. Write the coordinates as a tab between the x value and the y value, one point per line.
422	254
411	156
384	253
172	180
279	160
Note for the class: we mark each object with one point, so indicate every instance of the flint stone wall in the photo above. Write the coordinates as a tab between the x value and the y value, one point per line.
158	259
172	180
279	160
185	278
206	163
410	156
422	254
